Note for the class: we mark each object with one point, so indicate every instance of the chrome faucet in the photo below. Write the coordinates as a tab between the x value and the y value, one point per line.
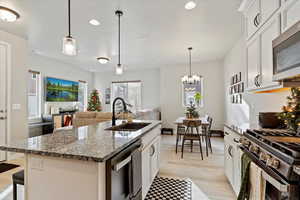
113	107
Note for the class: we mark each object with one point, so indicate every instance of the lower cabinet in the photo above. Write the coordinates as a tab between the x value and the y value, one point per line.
232	159
150	164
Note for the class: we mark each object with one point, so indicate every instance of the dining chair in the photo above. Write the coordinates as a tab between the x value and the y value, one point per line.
179	133
210	120
190	135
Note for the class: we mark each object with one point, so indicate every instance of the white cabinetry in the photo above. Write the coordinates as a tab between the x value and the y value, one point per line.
150	159
258	12
253	63
232	158
290	14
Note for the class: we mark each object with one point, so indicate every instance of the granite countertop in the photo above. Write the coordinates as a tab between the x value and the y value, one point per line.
90	143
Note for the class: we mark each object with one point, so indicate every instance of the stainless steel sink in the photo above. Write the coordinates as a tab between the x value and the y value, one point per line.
128	127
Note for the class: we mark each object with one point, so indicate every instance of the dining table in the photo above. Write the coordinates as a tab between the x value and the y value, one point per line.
204	123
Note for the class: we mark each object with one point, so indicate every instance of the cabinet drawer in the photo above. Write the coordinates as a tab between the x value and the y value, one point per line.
147	139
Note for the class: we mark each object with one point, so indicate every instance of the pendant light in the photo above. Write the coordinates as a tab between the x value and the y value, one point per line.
69	43
191	79
119	68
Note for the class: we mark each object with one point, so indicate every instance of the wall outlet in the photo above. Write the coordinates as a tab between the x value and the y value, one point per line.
16	106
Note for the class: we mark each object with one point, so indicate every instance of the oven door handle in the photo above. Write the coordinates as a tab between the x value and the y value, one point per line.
121	164
278	185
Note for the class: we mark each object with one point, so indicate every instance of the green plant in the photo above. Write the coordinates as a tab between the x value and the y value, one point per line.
198	97
191	111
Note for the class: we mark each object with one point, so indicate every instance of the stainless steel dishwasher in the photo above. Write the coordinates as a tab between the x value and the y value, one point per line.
124	174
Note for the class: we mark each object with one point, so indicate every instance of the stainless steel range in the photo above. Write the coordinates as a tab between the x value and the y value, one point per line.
277	152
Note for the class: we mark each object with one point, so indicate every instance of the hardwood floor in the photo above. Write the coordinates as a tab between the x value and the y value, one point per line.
208	176
209	181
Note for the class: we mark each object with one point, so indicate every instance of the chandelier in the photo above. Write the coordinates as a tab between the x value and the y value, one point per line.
191	79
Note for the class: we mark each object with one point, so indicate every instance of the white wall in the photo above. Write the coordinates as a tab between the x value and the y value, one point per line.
171	92
19	67
150	85
246	114
57	69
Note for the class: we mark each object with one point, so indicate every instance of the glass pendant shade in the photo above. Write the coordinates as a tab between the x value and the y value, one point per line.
119	69
69	46
8	15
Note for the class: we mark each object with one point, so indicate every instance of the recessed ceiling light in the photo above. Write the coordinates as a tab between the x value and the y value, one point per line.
103	60
190	5
8	15
94	22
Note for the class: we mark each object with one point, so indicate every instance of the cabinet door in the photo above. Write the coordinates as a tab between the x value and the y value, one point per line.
154	156
146	172
228	160
268	8
291	14
253	62
252	15
270	32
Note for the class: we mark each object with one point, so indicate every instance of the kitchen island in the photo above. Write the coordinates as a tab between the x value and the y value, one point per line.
72	163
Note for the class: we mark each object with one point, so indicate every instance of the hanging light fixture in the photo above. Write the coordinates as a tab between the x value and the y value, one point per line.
119	68
191	79
69	43
8	15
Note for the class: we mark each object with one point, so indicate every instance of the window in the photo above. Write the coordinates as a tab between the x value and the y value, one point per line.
189	93
130	91
83	95
34	95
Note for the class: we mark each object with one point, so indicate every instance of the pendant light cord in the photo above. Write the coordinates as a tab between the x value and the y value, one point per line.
69	16
190	56
119	39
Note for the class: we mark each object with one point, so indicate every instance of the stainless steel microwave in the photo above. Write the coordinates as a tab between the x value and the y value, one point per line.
286	55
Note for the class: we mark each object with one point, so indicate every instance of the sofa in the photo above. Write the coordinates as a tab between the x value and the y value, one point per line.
89	118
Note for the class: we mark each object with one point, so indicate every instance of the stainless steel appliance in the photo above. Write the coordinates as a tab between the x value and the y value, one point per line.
286	56
277	153
124	174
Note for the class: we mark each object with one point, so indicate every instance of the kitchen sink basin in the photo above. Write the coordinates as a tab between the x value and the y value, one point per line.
128	127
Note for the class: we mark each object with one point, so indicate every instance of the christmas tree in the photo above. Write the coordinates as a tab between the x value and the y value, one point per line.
94	103
291	112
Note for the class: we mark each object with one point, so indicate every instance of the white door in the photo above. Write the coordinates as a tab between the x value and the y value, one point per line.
252	18
3	92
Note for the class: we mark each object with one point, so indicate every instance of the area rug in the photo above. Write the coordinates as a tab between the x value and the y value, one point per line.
170	189
5	167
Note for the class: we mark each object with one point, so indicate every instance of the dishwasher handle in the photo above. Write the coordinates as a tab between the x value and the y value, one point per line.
121	164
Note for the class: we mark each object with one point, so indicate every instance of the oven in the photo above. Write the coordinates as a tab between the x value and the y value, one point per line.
286	57
276	186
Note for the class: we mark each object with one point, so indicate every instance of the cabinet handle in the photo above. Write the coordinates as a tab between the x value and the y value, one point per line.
236	140
258	80
256	21
255	81
229	151
3	118
153	150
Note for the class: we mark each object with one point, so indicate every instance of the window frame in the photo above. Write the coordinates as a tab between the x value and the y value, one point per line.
128	82
201	104
39	97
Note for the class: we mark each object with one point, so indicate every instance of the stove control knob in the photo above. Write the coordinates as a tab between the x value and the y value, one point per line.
264	156
273	162
254	149
245	142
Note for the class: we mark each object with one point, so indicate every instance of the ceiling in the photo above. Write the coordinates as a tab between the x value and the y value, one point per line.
155	33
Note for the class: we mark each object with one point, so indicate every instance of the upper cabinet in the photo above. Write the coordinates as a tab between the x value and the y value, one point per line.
265	20
258	12
290	13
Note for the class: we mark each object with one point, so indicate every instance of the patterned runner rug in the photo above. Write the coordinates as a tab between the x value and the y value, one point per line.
170	189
